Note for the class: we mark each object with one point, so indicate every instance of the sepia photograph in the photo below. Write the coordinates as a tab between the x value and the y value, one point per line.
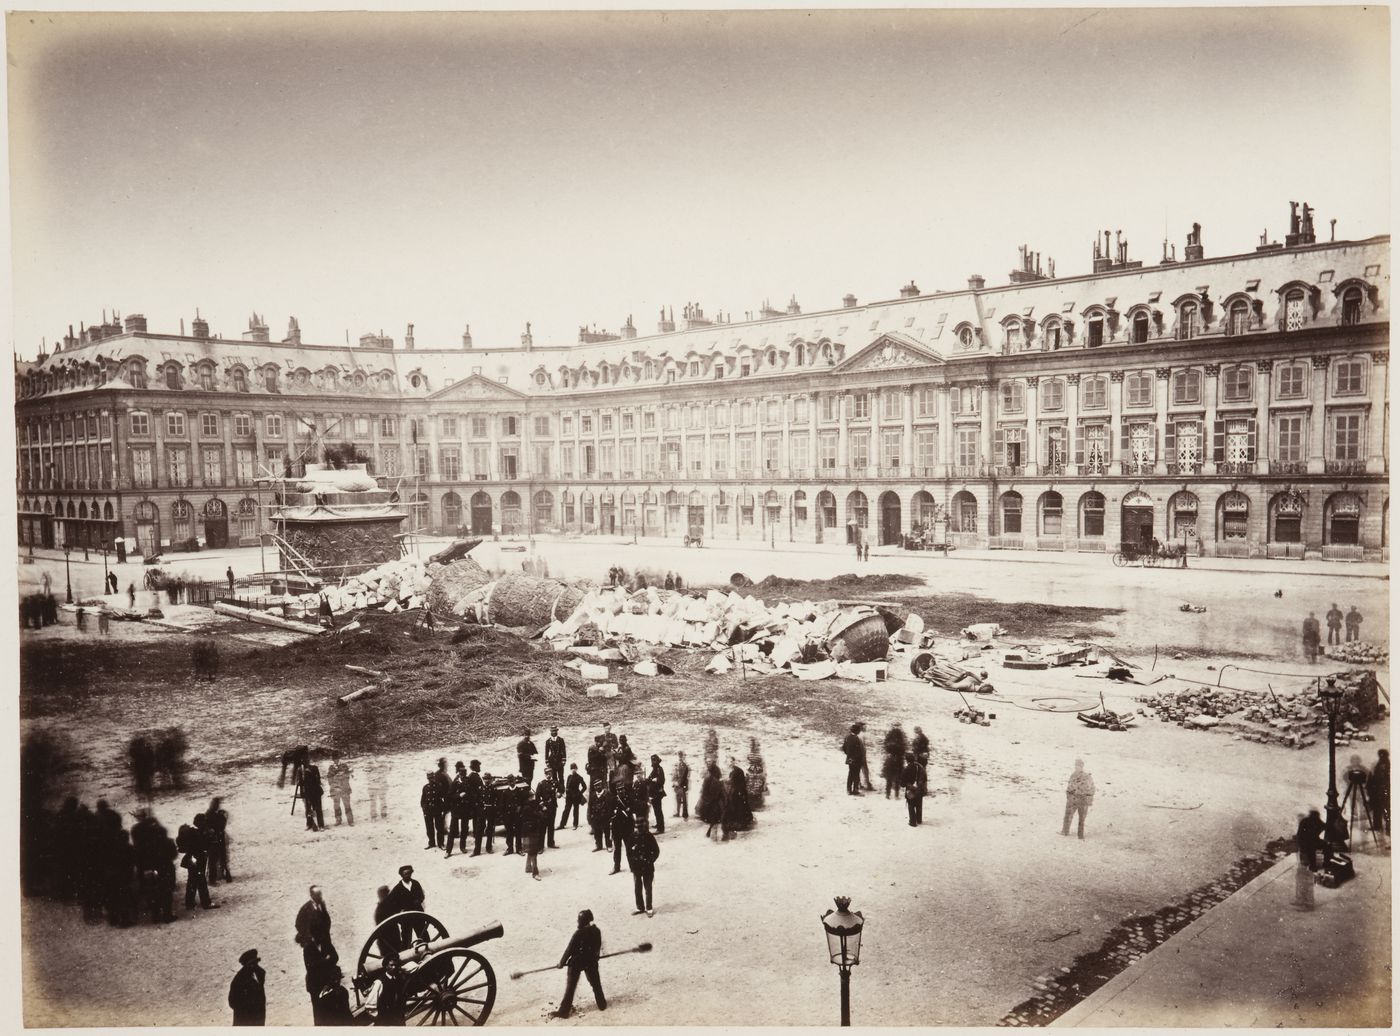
622	440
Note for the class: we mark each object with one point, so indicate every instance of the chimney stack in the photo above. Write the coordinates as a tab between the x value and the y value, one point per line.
1194	248
527	340
793	308
849	301
293	332
199	327
257	330
467	337
976	282
666	324
629	329
408	338
909	291
135	324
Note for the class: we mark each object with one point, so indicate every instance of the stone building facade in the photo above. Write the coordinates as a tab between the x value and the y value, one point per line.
1237	405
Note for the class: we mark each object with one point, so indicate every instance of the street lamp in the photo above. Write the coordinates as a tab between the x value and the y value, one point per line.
843	930
68	568
1335	835
105	581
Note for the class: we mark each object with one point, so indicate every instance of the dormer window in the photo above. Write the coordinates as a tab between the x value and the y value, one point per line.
240	380
172	377
965	337
1051	335
1094	331
1015	337
415	380
206	378
1294	310
1237	319
1188	321
1142	327
136	374
270	379
1351	307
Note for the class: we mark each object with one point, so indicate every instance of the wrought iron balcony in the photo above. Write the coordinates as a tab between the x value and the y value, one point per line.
1184	467
1235	467
1054	467
1010	470
1135	467
1345	467
967	471
1289	467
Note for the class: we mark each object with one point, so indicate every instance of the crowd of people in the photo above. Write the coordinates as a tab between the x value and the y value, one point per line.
88	856
905	769
1337	620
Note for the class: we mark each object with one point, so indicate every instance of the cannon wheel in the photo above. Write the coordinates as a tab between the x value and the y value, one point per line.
454	987
372	956
919	666
1120	559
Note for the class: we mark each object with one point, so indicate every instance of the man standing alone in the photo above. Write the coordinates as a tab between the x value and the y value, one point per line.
855	759
1312	636
314	937
555	755
680	781
1079	796
246	993
525	753
642	852
581	955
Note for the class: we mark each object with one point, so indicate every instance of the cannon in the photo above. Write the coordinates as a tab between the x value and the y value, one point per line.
411	971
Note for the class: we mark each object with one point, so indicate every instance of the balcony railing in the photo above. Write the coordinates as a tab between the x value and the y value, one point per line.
1054	467
1235	467
1289	467
1010	470
1345	467
967	471
1135	467
1184	468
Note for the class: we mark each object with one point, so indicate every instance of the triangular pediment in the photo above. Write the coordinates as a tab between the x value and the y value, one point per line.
891	349
478	386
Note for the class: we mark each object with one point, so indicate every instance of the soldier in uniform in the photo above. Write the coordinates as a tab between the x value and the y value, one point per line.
458	807
443	780
246	993
581	957
195	861
642	852
680	782
656	791
555	754
600	816
913	796
508	807
575	794
428	802
597	768
486	817
621	822
548	803
610	749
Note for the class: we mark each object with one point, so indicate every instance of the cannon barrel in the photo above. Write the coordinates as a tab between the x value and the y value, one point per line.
419	952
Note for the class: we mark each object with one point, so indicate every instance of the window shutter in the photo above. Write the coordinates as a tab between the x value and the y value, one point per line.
1253	440
999	447
1218	454
1170	450
1124	440
1079	447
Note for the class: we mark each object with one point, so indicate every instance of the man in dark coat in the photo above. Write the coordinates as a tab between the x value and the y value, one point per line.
443	781
555	755
474	802
656	791
913	794
246	993
854	748
196	862
581	956
600	815
313	927
620	823
459	808
597	768
408	895
508	808
228	574
1353	621
1309	837
1312	636
428	802
548	801
896	747
625	761
311	792
1334	624
575	793
1378	791
610	748
642	852
680	782
525	752
490	811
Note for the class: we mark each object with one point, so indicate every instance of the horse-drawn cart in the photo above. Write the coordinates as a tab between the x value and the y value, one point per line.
412	972
1150	555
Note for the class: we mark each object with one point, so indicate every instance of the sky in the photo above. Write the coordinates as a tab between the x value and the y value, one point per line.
365	171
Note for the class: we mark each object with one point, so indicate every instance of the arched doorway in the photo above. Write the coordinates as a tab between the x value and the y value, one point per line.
451	512
1181	517
181	523
481	514
964	517
147	519
1137	519
1011	505
1232	522
629	511
695	510
925	509
607	513
511	522
891	518
826	512
674	503
215	524
1341	520
1052	515
1091	512
588	514
799	508
857	517
544	510
1286	518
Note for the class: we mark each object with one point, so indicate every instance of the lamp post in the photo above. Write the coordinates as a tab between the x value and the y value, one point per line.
104	568
1336	830
68	568
843	930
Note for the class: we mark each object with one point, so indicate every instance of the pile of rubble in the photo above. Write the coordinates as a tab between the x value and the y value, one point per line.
1293	719
1359	652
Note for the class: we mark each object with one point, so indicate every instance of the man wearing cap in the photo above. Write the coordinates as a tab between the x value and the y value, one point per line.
555	755
246	993
581	955
457	805
474	802
428	802
443	782
642	851
408	895
575	793
854	748
525	752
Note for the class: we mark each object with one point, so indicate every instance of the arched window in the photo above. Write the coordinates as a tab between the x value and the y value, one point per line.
1188	320
963	517
1232	524
1142	326
826	509
1237	319
1011	513
1052	509
1341	520
182	521
1286	518
1052	332
1351	306
172	376
1295	306
1015	336
451	511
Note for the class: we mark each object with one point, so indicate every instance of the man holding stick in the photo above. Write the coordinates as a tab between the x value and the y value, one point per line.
581	955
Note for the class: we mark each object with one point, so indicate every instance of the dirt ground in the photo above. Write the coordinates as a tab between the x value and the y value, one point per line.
963	914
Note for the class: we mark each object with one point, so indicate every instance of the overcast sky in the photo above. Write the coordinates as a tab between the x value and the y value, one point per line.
365	171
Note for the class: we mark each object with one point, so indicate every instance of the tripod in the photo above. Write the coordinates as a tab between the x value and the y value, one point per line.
1359	802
